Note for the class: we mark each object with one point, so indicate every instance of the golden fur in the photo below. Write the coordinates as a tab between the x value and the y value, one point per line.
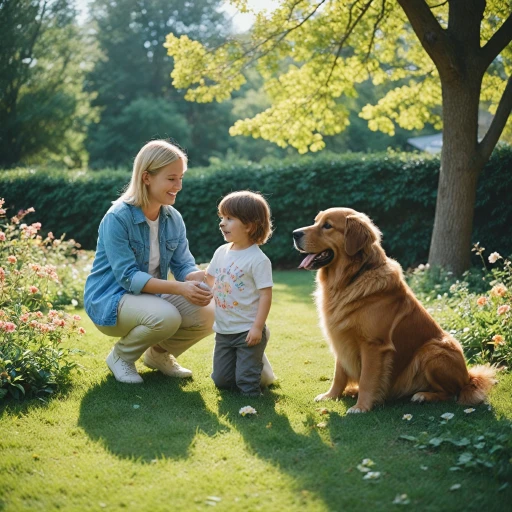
385	344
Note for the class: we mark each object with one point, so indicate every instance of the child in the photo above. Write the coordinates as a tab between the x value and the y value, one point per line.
241	278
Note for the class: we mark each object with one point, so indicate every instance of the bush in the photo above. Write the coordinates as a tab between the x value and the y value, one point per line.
398	191
477	309
33	360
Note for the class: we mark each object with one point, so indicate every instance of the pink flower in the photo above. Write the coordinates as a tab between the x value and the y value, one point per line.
31	210
52	313
24	317
503	309
9	327
81	330
2	274
36	226
481	301
498	339
494	257
39	314
12	259
34	289
77	318
499	290
2	236
35	267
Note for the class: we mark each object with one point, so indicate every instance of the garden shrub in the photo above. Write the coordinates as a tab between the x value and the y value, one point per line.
476	309
34	359
397	190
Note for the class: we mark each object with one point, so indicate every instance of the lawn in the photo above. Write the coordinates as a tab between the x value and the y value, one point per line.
182	445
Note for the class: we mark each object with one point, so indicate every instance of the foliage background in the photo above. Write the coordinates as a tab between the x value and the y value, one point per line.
397	190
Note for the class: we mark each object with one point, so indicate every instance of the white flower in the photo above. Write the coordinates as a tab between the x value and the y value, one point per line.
371	475
447	415
363	469
401	499
455	487
247	410
424	468
407	417
466	329
368	462
74	302
469	411
494	257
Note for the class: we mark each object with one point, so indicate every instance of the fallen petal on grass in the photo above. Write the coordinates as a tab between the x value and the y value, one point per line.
455	487
469	411
247	410
401	499
447	415
407	417
372	475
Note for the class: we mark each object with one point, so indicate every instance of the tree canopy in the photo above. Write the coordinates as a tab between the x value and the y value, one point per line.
313	53
43	108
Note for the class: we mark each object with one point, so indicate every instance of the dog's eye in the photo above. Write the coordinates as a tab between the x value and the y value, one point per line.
326	226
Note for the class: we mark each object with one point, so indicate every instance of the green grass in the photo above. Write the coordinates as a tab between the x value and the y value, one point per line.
90	449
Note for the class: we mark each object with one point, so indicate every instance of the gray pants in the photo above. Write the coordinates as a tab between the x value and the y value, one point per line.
235	364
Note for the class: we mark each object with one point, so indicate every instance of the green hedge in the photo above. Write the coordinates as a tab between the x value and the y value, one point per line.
397	191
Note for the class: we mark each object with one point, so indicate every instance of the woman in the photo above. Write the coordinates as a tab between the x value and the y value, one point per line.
127	295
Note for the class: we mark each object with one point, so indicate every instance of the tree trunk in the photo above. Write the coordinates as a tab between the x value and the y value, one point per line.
460	168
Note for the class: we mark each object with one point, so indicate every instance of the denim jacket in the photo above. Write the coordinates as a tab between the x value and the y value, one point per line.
122	258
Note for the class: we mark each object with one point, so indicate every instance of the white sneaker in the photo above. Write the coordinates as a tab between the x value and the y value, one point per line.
166	363
122	370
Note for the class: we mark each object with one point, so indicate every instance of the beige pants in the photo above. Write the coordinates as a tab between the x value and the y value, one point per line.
169	321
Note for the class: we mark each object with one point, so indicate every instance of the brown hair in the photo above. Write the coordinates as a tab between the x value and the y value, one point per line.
251	209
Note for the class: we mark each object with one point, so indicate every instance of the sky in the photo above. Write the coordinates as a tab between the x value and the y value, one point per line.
241	22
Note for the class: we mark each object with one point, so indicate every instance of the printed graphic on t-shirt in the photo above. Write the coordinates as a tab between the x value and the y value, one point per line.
225	280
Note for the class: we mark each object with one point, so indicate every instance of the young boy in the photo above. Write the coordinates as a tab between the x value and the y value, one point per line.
240	276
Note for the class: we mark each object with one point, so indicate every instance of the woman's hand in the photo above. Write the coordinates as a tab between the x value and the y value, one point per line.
194	293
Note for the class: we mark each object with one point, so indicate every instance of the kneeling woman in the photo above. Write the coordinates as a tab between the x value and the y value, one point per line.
127	295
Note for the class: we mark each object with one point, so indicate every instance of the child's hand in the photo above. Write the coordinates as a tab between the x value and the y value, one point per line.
198	275
254	336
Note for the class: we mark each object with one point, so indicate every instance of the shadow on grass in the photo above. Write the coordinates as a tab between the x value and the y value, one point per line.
157	419
323	453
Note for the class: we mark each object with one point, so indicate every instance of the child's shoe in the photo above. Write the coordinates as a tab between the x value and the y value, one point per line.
166	363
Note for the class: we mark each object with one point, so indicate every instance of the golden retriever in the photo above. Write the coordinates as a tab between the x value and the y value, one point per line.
385	344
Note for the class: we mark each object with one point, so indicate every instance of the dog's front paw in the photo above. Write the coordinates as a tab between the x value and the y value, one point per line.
418	397
357	408
326	396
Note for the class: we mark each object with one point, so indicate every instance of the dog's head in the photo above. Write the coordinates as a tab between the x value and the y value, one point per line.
338	233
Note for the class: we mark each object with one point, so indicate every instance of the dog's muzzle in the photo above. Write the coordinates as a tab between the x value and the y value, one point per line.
298	238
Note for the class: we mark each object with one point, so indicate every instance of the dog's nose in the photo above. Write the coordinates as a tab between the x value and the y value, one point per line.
298	234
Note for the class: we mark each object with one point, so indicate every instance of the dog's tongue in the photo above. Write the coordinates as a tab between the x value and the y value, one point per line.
307	261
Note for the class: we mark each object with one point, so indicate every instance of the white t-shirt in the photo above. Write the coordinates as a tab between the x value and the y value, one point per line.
154	249
238	277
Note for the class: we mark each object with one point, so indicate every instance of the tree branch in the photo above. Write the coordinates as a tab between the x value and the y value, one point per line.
431	35
497	43
492	136
348	31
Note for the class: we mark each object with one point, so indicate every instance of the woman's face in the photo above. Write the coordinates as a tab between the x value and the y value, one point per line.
164	186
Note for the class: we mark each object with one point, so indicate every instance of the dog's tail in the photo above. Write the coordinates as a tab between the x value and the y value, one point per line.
481	379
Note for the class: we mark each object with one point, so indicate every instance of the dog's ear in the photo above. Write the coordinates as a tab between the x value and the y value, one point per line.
359	232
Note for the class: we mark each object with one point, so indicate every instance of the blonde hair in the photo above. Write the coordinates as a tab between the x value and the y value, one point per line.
151	158
252	210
